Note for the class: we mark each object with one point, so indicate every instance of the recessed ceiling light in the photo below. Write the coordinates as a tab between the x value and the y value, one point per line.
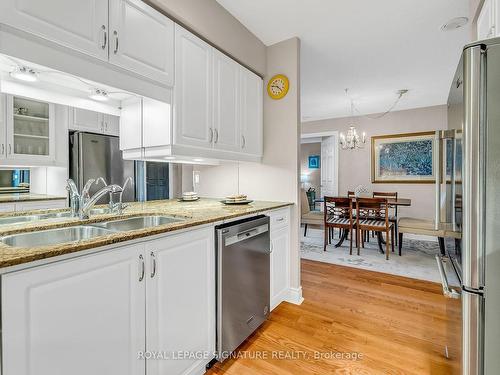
455	23
169	157
99	95
24	73
197	159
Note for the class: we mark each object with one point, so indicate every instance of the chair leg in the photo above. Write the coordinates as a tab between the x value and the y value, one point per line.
358	239
392	239
350	242
396	231
387	245
400	244
363	238
325	237
305	230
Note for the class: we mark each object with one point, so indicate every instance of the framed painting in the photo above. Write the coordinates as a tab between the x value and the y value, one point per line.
403	158
314	162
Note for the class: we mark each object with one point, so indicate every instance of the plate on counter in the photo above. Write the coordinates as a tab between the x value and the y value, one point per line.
246	201
189	200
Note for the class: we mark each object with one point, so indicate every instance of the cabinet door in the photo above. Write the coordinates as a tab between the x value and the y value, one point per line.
485	21
181	300
30	130
193	90
226	103
3	127
141	40
251	113
280	240
85	120
81	316
131	125
77	24
111	124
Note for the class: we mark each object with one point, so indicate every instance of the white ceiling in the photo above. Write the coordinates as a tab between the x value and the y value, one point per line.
374	48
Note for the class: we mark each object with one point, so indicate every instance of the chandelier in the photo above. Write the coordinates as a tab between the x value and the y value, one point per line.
352	140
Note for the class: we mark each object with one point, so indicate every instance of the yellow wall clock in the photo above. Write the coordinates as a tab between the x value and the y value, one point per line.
277	87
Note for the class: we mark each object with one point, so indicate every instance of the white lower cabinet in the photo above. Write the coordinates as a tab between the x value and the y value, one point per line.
180	311
113	312
280	267
82	316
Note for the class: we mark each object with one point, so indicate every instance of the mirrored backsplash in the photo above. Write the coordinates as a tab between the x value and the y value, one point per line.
14	180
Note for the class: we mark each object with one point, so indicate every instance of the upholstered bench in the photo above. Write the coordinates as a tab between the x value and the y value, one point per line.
425	227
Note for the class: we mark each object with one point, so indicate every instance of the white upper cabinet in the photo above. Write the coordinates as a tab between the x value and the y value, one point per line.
78	24
226	103
141	40
251	88
81	316
193	90
485	21
93	122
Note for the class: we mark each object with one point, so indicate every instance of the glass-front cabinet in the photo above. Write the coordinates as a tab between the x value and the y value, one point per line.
30	129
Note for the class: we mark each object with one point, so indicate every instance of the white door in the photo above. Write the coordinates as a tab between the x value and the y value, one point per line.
329	182
193	90
85	120
111	124
141	40
82	316
251	112
78	24
3	127
181	300
280	245
226	103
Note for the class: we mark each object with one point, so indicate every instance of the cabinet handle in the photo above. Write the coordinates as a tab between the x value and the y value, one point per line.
143	270
280	219
153	265
216	135
211	135
116	42
243	141
106	126
10	149
105	40
3	149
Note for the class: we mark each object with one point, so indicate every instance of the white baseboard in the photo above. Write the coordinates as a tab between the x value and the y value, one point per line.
295	296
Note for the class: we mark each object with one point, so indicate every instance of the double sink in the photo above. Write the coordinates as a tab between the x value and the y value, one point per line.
84	232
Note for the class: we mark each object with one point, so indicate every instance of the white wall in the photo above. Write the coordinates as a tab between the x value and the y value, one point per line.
355	165
277	177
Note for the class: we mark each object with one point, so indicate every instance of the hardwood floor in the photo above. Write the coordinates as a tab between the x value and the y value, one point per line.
397	325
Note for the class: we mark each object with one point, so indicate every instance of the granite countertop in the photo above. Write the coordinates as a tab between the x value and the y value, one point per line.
26	197
200	212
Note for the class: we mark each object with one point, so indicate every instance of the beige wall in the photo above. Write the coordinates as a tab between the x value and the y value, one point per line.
215	24
277	177
314	175
355	165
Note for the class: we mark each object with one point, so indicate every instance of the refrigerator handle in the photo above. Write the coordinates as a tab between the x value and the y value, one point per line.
437	169
473	168
447	291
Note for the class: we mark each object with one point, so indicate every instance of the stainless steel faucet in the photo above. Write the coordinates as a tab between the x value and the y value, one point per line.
111	204
87	206
74	197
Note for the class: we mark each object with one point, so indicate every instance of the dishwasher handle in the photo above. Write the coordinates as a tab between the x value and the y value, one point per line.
247	234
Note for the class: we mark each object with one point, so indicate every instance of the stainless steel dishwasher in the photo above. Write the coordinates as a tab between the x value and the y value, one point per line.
243	281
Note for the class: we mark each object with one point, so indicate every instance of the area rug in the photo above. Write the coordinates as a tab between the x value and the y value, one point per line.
417	260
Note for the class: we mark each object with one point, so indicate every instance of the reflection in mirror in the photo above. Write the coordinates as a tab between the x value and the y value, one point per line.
14	181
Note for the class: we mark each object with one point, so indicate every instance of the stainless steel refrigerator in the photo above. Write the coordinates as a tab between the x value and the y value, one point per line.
94	156
471	185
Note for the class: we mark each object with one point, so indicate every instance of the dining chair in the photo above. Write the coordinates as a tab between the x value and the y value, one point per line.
373	215
351	194
338	214
306	215
394	217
